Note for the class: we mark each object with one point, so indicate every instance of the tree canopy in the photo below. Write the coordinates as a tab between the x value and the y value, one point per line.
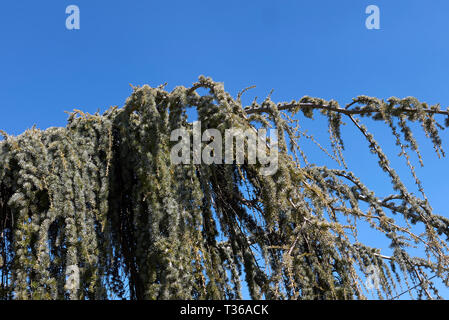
96	209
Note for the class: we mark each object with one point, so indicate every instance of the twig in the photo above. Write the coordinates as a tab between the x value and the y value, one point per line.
411	288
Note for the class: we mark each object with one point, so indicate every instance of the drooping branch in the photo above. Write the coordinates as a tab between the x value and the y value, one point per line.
358	111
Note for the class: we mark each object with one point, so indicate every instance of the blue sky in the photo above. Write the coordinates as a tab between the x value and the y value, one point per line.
317	48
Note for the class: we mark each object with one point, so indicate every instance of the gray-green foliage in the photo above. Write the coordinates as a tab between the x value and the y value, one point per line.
96	209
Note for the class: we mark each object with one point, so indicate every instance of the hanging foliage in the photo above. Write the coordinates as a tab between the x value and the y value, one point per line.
97	210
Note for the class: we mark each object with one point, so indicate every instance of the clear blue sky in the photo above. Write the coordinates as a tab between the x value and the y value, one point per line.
318	48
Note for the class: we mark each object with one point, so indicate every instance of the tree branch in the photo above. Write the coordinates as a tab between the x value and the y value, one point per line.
288	106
